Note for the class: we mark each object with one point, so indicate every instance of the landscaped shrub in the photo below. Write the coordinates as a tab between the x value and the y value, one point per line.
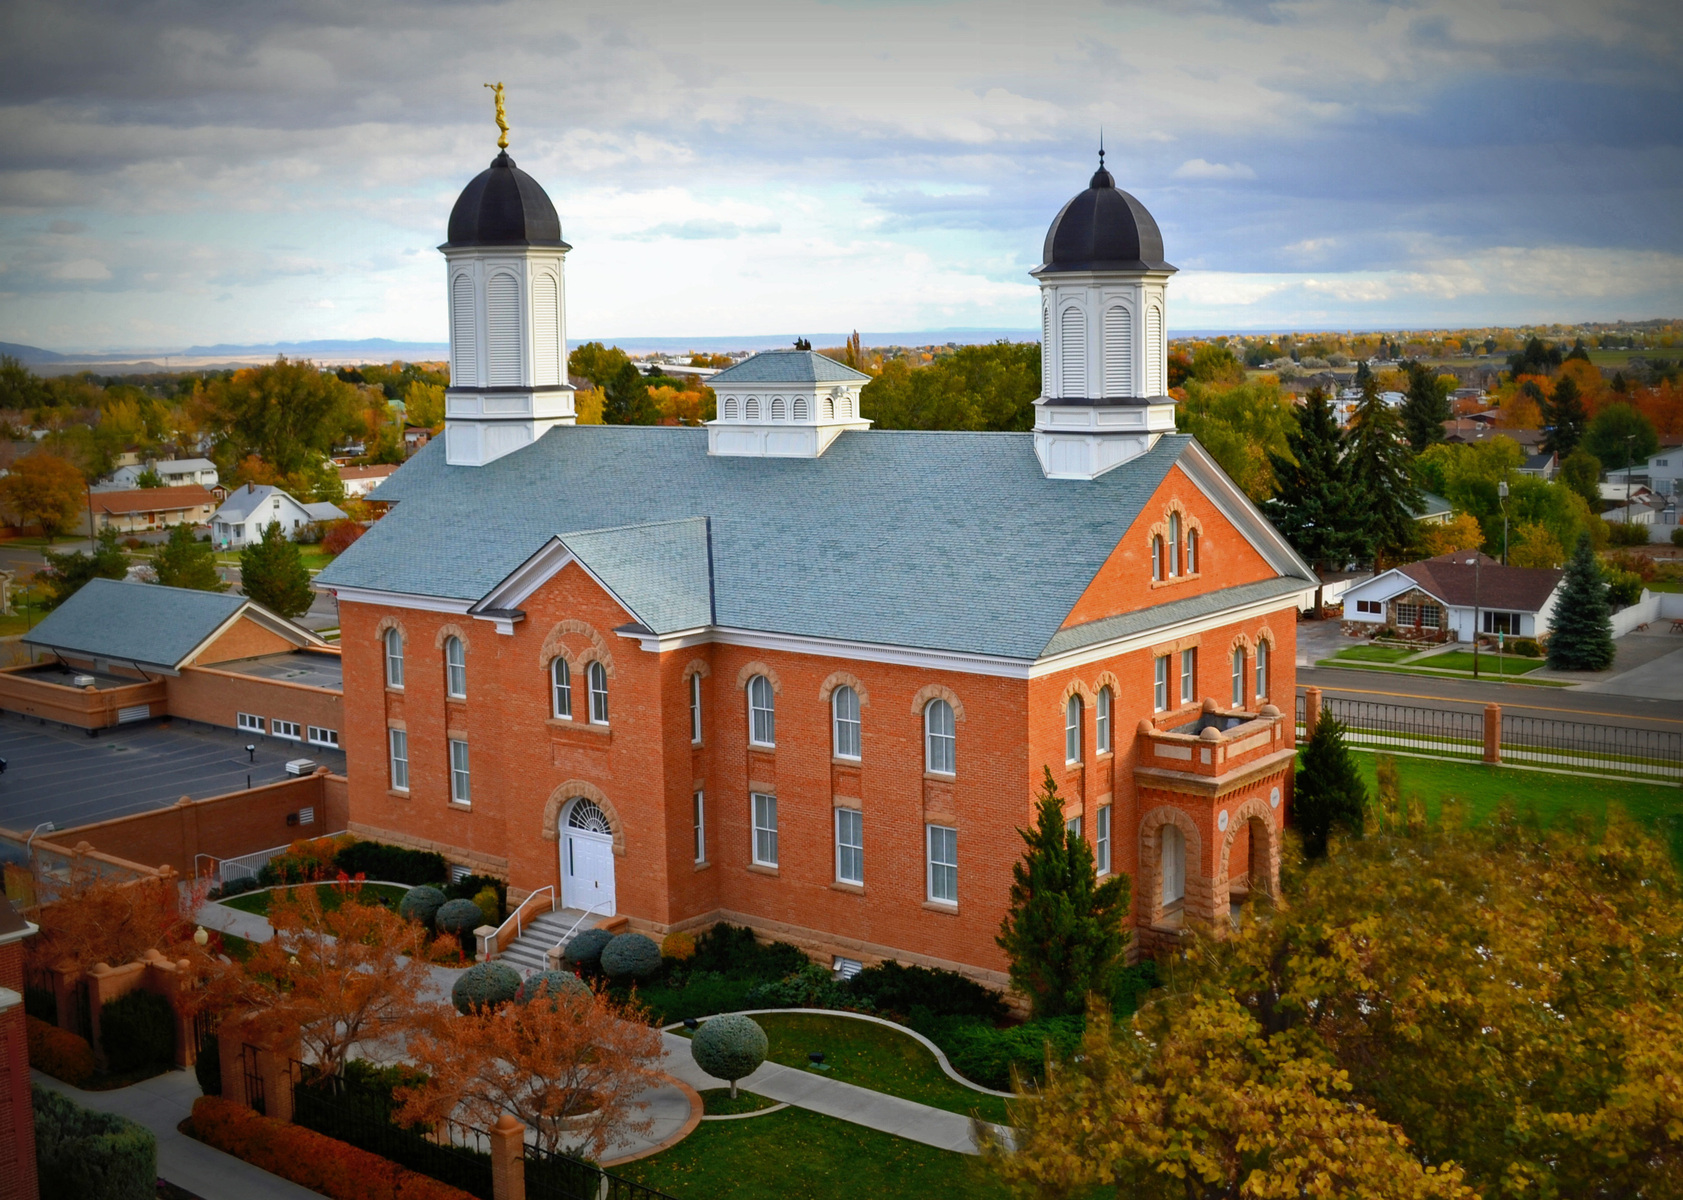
471	887
421	904
729	1048
207	1067
680	947
984	1054
310	1159
59	1052
810	987
732	950
92	1155
557	982
460	917
234	887
483	985
631	956
308	860
490	904
1525	648
891	987
699	994
137	1030
381	863
340	535
1622	533
586	947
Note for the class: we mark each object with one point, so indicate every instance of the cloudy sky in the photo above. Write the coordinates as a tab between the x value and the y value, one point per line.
178	172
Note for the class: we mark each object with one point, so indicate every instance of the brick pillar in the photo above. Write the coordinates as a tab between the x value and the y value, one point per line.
230	1047
1311	709
508	1159
271	1061
274	1068
1492	733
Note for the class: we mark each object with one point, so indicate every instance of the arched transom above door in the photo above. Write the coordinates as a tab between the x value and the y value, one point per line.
596	806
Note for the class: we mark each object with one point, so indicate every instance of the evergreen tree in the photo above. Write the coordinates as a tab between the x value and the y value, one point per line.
626	399
1426	408
66	574
1563	417
1381	473
1583	621
1329	791
186	562
1313	505
1578	351
1363	372
1063	932
272	573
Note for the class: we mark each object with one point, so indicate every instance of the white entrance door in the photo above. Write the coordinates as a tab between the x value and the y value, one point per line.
587	873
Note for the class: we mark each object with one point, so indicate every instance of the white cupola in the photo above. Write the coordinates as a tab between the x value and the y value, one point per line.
508	326
1103	342
784	404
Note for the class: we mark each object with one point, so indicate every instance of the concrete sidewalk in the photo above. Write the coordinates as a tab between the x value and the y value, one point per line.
159	1104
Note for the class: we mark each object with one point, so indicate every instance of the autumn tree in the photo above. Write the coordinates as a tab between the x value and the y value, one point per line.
1581	471
289	413
1534	546
569	1065
989	388
20	388
103	920
1462	533
1620	436
1244	426
186	562
423	404
272	573
43	489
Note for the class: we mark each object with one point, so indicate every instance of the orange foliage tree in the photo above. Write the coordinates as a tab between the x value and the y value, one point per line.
336	977
568	1065
110	921
1463	533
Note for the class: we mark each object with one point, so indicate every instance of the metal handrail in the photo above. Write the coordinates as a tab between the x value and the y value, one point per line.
565	936
519	909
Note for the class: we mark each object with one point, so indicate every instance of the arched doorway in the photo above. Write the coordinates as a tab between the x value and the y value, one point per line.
1173	865
587	858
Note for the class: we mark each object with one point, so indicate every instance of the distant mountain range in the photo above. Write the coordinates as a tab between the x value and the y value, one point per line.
29	354
382	346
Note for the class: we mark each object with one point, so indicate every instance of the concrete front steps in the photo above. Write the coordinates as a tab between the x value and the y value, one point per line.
529	952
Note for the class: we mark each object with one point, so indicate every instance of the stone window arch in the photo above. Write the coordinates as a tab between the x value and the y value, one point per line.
838	679
936	691
754	668
578	789
393	640
1076	688
1255	815
1195	896
697	666
450	630
554	646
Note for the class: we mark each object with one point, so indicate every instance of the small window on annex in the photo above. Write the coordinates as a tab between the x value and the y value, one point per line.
695	708
762	712
1192	549
1174	544
394	658
597	675
561	680
939	737
943	864
1101	842
844	706
850	846
1072	729
1156	559
765	829
455	668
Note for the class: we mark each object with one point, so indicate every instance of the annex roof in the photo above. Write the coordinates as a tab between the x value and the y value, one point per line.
788	366
943	541
160	499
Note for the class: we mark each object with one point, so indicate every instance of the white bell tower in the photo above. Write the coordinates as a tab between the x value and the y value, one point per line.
1104	345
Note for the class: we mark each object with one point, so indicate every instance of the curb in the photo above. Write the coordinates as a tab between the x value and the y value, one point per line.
695	1119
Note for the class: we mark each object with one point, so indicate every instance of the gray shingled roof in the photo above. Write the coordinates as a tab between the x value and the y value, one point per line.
950	541
788	366
1123	624
134	622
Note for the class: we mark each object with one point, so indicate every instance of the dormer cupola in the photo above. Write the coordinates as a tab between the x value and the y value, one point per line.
784	404
1103	322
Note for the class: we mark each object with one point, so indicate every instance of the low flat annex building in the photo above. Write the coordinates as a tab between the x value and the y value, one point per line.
805	675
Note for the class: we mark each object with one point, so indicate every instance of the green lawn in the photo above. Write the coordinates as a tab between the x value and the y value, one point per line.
1383	654
258	902
800	1155
874	1056
1555	798
717	1102
1462	660
1410	669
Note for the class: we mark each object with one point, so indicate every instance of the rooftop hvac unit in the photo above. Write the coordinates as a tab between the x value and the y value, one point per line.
83	680
300	766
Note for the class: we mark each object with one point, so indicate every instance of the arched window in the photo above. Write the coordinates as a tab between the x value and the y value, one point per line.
730	408
1261	670
844	707
829	408
778	412
1046	349
1238	677
546	329
752	408
587	815
1153	351
1101	722
695	711
1156	559
1072	730
1174	544
561	676
940	741
799	409
1173	863
597	674
394	658
455	668
1191	551
762	712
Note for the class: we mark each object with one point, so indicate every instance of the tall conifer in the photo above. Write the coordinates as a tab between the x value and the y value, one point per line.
1564	417
1381	473
1328	792
273	574
1313	505
1583	620
1425	410
186	562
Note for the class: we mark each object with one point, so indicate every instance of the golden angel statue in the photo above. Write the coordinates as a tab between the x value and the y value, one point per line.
502	116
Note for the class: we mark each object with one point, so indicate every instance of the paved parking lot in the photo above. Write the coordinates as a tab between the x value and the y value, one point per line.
64	776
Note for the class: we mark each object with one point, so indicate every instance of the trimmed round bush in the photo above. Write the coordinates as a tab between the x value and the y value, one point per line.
680	947
92	1155
729	1047
586	947
485	985
631	956
559	983
459	916
421	904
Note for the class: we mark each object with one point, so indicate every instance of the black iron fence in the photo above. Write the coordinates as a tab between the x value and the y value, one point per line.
1441	733
551	1176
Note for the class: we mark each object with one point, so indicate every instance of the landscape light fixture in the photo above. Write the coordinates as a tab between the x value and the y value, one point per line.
691	1024
252	750
200	937
816	1057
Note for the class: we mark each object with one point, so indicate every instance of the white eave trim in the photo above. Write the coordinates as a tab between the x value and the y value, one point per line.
277	625
876	652
409	600
545	564
1242	512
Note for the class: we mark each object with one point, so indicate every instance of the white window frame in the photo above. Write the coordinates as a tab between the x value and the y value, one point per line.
941	855
1074	712
850	846
1101	843
1262	649
1156	558
698	821
1072	825
461	773
1238	677
846	732
1174	545
597	676
695	708
250	723
1160	683
762	816
321	736
762	712
940	738
1192	549
394	658
1101	722
560	689
455	668
397	751
1188	675
286	730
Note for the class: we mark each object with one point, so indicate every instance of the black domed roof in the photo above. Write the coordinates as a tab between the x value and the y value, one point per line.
504	206
1103	229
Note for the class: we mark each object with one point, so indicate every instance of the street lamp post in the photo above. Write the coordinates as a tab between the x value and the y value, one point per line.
1502	500
1477	555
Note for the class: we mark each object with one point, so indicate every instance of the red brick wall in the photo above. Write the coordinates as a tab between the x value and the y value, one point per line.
245	638
17	1112
216	697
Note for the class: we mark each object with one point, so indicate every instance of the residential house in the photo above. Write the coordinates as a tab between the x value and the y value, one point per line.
151	508
177	472
1433	509
246	513
359	481
1448	597
414	437
1544	465
1661	472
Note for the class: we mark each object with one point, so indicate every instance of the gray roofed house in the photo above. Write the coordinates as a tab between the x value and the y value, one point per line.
249	510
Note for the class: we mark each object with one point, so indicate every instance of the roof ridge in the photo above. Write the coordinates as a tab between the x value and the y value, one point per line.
633	525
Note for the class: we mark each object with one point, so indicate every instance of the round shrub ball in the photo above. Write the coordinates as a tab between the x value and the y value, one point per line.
679	947
486	985
421	904
459	916
729	1047
631	956
559	983
586	947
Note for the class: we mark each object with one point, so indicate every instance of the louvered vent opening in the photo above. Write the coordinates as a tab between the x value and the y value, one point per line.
546	331
1045	350
1154	351
1073	356
464	369
800	408
1118	352
502	328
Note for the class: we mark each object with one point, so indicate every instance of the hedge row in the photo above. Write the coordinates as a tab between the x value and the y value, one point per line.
310	1159
92	1155
137	1030
59	1052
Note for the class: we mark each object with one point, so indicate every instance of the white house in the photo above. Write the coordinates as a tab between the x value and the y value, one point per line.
359	481
179	472
247	512
1437	598
1662	472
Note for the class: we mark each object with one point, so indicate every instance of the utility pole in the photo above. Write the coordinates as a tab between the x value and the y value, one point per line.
1502	499
1477	558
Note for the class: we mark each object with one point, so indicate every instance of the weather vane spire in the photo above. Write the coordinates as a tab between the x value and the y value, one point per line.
502	116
